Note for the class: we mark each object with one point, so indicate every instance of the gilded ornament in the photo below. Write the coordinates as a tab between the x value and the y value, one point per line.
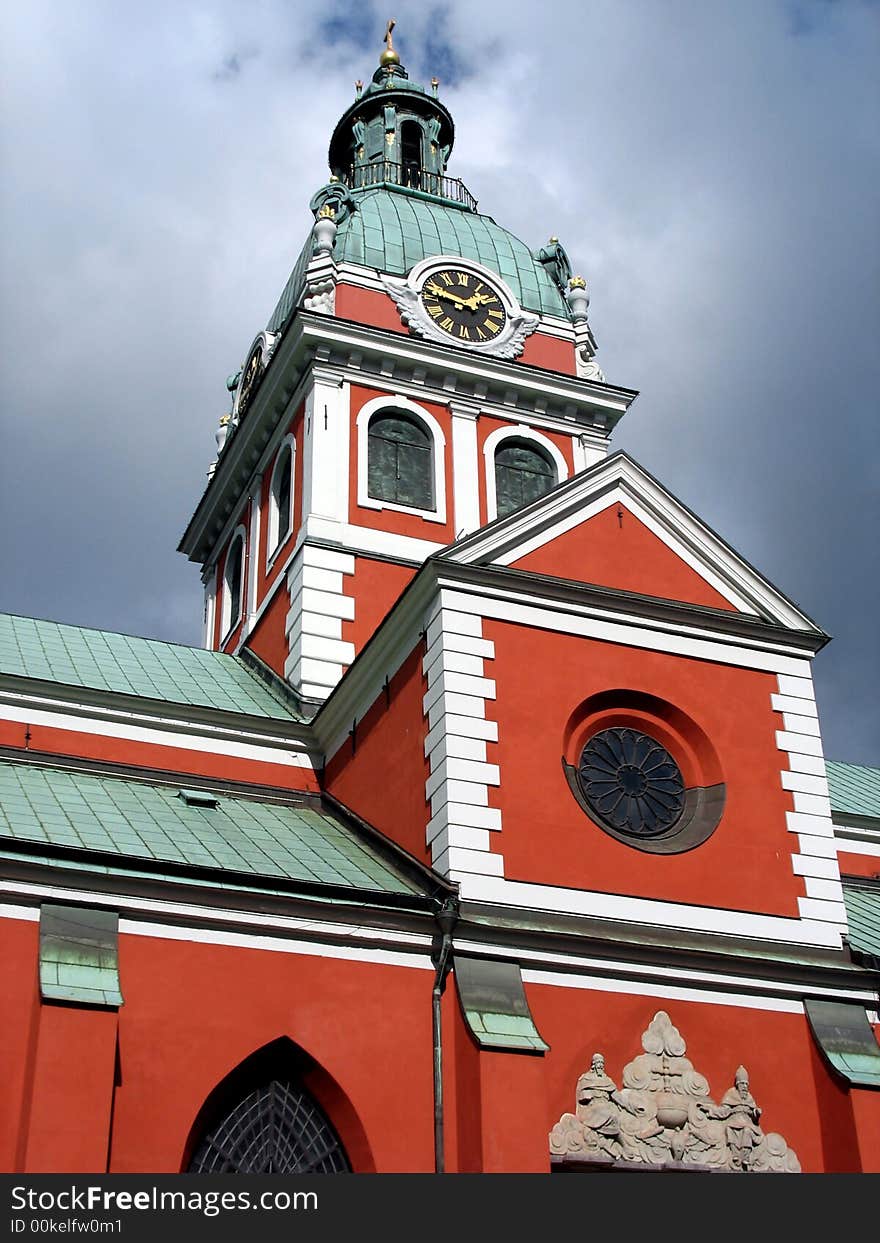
389	56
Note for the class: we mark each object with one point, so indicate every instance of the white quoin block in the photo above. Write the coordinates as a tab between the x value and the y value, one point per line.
481	862
455	623
455	705
799	688
459	835
801	744
464	813
312	576
450	725
317	623
459	792
458	746
461	770
452	662
328	559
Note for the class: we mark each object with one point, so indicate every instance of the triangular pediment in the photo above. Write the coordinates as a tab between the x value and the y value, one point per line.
615	526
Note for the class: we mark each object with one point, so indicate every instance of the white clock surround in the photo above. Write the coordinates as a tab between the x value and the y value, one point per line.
406	293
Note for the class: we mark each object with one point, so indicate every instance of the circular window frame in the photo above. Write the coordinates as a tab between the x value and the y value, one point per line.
705	794
620	760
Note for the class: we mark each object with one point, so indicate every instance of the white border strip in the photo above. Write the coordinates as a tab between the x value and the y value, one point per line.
412	949
294	755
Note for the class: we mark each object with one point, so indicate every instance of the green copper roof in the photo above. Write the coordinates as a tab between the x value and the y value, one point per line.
862	900
79	955
392	230
292	290
138	820
122	664
854	788
495	1007
846	1039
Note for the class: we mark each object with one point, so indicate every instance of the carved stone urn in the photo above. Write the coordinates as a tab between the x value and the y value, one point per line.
672	1110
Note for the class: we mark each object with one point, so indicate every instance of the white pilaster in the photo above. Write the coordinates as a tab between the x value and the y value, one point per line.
326	451
588	447
465	467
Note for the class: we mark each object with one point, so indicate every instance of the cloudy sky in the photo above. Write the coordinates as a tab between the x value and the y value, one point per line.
710	165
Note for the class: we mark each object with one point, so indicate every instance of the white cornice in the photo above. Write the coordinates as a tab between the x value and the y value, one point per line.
23	698
369	355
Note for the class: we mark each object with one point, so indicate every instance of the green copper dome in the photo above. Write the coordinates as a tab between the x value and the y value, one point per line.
391	231
395	205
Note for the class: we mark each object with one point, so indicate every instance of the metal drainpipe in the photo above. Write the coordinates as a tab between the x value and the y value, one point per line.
447	918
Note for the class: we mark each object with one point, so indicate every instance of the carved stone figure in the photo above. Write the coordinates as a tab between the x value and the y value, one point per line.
664	1115
597	1108
742	1132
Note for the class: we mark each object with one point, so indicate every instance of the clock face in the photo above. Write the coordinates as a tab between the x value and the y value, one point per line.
463	305
251	374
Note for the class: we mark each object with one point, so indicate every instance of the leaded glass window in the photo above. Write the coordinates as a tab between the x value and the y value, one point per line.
631	782
276	1129
400	461
234	566
522	474
281	485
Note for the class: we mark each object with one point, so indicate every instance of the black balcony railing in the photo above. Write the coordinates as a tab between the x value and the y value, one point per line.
410	176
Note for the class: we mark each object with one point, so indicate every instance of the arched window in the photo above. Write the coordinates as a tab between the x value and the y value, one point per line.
233	583
522	474
280	493
400	461
411	153
277	1128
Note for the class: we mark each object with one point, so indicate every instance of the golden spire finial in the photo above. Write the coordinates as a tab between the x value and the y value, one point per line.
389	56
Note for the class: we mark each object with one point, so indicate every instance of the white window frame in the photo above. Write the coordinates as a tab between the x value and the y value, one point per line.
395	401
226	626
494	441
275	537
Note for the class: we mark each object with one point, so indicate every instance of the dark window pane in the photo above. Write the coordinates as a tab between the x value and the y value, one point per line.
400	465
522	474
631	782
282	494
233	581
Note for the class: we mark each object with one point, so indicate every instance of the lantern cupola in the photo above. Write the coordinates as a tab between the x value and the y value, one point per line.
396	134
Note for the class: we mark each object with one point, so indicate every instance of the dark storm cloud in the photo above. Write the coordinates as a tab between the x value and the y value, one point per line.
711	168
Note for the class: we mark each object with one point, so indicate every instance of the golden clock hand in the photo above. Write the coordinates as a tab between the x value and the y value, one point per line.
450	297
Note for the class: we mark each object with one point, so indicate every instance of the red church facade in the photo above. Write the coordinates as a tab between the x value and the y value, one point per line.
492	829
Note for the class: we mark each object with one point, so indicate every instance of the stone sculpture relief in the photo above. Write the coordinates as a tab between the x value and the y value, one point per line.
663	1115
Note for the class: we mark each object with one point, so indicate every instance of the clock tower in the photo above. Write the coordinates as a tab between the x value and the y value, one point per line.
424	373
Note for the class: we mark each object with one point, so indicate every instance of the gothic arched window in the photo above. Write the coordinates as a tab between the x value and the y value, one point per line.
522	474
233	584
280	493
277	1128
400	461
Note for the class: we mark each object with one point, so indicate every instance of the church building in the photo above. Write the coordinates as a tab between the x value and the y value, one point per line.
491	828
